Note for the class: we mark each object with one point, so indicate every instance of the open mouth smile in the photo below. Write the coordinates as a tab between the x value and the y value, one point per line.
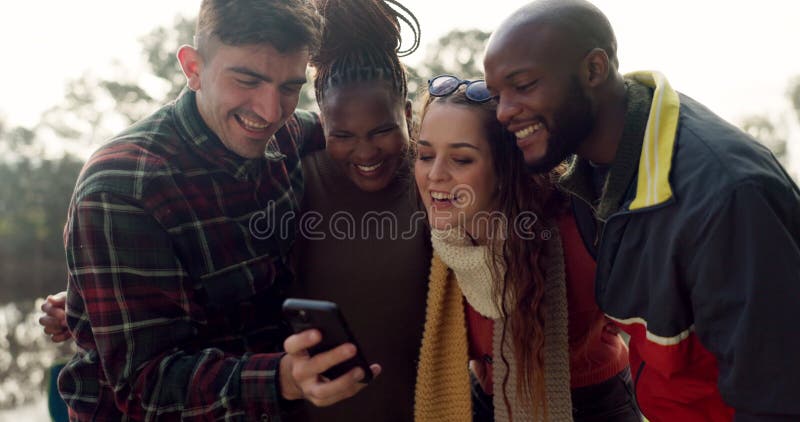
369	168
251	125
528	131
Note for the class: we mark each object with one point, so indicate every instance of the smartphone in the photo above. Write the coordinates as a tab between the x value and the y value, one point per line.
304	314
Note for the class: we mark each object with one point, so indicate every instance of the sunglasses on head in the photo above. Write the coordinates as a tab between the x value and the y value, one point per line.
444	85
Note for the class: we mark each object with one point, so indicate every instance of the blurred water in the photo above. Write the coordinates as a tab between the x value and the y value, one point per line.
25	354
33	412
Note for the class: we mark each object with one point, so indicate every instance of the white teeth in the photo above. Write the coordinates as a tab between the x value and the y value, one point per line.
528	130
442	196
369	168
252	125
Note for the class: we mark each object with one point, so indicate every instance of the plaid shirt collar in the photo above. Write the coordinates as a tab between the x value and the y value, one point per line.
194	129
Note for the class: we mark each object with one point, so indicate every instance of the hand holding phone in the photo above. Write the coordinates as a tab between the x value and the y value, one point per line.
305	314
323	347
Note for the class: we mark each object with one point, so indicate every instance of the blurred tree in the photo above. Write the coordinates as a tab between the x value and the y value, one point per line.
794	95
80	115
416	82
160	46
20	141
459	53
94	107
308	101
769	132
772	132
33	204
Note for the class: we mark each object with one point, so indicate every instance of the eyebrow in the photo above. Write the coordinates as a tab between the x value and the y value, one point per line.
254	74
514	74
384	126
451	146
508	77
379	128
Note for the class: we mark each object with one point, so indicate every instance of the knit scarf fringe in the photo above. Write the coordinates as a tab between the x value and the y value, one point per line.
443	386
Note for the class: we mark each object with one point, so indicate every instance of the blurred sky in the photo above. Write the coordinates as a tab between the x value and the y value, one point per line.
735	56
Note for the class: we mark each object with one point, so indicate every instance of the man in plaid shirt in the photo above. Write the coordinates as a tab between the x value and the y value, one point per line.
174	292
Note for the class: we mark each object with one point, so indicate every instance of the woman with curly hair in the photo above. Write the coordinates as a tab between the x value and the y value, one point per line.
511	283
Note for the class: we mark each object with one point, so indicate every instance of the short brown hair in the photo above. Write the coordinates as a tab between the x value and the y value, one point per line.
287	25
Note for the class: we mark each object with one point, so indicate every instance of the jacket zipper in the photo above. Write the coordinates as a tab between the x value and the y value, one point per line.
600	224
636	388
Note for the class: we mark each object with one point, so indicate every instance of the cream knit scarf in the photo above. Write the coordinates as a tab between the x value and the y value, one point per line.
442	392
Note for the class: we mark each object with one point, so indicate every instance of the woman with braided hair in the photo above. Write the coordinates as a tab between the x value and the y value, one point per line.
370	252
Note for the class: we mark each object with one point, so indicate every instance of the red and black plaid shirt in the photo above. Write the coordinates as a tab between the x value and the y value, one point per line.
177	269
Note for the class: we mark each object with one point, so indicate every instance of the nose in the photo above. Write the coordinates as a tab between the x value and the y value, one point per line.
268	104
438	171
365	151
507	108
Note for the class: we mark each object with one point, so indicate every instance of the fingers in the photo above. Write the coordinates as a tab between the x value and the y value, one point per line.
376	369
292	363
303	372
54	320
311	368
326	393
51	325
58	298
307	367
323	394
58	315
297	344
62	337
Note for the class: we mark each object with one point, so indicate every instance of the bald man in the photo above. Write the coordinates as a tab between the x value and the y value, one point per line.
695	226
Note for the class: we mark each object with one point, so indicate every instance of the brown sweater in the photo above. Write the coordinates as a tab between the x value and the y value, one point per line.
379	283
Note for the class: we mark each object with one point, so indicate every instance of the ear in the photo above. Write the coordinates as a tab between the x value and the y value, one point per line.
322	124
595	68
191	63
409	118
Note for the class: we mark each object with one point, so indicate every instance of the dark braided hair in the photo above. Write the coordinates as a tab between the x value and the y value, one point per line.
361	42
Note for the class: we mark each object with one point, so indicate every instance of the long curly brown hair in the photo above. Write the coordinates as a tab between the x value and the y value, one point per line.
529	203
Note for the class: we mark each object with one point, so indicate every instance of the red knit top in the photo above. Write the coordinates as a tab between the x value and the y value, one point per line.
597	353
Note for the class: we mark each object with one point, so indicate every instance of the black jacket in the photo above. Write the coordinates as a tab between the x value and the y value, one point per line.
712	266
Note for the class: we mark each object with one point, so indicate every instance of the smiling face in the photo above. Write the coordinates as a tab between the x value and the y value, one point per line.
245	93
453	169
540	98
366	131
